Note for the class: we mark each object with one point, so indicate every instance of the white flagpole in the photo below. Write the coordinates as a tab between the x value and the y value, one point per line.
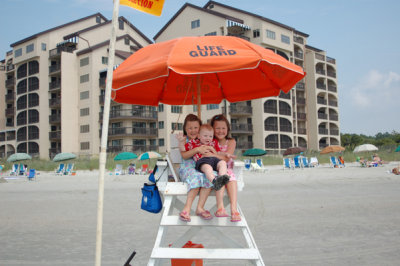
104	133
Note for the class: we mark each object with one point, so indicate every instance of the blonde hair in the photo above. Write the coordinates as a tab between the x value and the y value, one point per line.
206	127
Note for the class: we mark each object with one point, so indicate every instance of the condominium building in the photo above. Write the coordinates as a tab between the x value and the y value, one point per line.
52	91
307	116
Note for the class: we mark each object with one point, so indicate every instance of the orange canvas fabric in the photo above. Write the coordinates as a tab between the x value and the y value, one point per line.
213	68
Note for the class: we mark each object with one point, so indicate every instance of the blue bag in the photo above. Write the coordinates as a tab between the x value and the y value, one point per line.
151	200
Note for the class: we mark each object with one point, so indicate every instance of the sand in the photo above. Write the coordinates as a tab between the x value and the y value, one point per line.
321	216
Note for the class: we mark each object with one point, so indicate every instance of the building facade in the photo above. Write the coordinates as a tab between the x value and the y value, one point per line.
52	88
307	116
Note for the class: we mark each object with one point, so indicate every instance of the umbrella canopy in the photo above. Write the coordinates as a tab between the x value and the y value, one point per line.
293	150
365	147
254	152
149	155
19	157
63	156
202	70
332	149
397	149
125	156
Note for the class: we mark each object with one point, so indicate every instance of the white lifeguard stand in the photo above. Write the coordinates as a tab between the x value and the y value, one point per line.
231	249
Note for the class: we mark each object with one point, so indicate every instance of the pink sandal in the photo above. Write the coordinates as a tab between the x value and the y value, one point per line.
221	213
235	217
184	216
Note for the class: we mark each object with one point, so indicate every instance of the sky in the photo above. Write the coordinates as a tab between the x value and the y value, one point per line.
362	35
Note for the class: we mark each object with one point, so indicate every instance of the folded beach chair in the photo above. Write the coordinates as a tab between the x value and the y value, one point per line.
22	169
69	169
314	162
118	170
247	164
32	174
297	163
287	164
14	169
60	169
262	167
305	162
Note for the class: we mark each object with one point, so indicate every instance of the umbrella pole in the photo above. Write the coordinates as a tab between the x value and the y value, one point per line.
104	133
199	96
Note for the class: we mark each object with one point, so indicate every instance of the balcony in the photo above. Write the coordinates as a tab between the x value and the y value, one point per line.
332	88
320	71
285	111
300	116
301	101
240	110
54	69
272	145
285	128
132	114
333	117
21	136
332	74
54	119
244	145
102	82
21	121
333	103
10	67
33	118
55	85
322	116
320	57
323	131
57	51
11	135
298	40
132	131
321	101
284	95
10	82
241	128
2	136
54	103
55	135
331	60
334	132
300	86
10	111
298	55
270	110
132	148
33	135
271	128
302	131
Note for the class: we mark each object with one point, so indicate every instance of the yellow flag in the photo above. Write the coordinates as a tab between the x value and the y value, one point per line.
153	7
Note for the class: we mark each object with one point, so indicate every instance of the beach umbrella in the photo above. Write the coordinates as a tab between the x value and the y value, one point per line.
254	152
19	157
293	150
63	156
202	70
365	148
125	156
332	149
149	155
397	149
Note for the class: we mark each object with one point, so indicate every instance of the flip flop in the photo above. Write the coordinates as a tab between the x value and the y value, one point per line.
205	215
236	217
184	216
221	213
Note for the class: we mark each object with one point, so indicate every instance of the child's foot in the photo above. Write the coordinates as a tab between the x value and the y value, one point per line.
184	216
205	215
220	181
221	213
235	217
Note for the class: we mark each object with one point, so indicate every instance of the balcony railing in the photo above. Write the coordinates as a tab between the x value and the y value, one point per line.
132	131
56	118
11	135
322	116
2	136
270	110
54	68
240	110
332	88
244	145
320	57
57	51
334	132
102	82
298	55
21	136
332	74
302	131
298	39
55	85
132	148
321	100
321	86
10	111
330	60
10	67
145	114
285	111
55	102
300	100
334	117
333	103
33	135
320	71
21	105
21	121
33	103
323	131
271	127
272	145
55	135
241	128
285	128
301	116
10	82
300	86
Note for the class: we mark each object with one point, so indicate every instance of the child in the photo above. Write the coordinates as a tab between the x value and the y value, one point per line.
207	164
228	145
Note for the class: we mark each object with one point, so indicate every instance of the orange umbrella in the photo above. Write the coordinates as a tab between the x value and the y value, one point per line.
332	149
202	70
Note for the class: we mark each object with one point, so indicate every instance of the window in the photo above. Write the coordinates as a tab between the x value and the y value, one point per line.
126	40
84	111
30	48
160	124
84	128
161	107
44	47
212	106
256	33
84	61
195	23
176	109
161	142
214	33
104	60
84	95
121	24
285	39
18	52
271	34
98	19
84	78
177	126
85	145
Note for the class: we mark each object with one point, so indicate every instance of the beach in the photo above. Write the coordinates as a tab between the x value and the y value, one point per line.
318	216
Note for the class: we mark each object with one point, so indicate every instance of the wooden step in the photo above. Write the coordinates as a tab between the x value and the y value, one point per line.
206	253
173	220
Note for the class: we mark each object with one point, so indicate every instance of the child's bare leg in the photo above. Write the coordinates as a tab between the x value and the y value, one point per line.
190	198
219	195
208	171
222	168
231	188
203	195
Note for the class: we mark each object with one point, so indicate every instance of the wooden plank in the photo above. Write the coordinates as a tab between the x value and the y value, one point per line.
173	220
206	253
